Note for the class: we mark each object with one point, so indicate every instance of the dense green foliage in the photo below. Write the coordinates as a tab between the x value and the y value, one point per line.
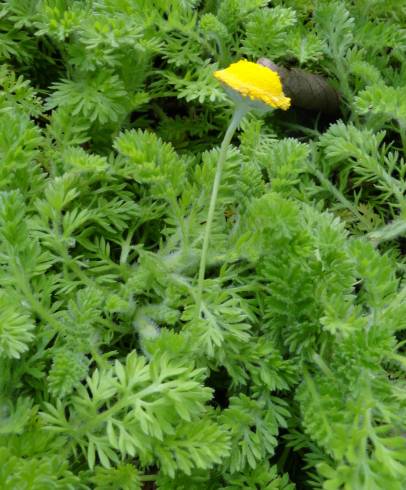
110	121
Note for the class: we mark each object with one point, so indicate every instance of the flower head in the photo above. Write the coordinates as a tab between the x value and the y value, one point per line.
257	82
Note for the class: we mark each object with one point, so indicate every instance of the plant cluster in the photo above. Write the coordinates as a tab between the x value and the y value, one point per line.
293	376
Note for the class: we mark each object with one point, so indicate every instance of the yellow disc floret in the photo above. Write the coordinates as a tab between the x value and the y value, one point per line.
256	82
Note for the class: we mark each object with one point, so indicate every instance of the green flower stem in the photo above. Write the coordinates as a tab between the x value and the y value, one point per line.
235	120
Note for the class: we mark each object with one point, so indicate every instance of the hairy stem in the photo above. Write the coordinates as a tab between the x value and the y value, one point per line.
402	132
391	231
235	120
336	193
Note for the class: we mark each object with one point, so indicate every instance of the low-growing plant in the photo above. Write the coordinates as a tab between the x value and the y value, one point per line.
149	339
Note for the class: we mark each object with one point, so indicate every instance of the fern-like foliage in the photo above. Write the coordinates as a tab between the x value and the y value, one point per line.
142	409
292	371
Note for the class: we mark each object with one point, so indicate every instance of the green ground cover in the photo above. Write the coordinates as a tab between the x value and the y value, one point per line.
292	372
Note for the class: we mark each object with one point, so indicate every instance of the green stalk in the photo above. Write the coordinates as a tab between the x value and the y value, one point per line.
391	231
336	193
402	132
235	120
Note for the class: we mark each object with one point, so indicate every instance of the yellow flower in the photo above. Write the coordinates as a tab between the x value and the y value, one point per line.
256	82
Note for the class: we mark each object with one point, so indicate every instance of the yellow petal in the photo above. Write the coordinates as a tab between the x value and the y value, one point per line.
256	82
